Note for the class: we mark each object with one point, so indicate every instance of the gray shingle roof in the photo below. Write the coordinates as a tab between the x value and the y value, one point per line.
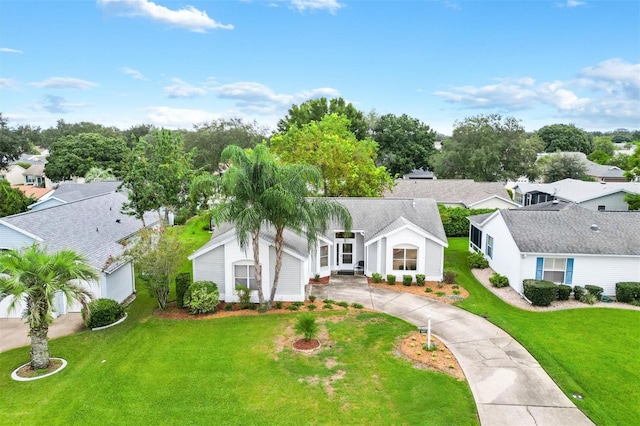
464	191
568	231
69	191
578	191
86	226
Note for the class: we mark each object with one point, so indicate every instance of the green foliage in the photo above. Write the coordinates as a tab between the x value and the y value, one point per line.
407	280
578	292
564	291
293	307
633	164
404	143
454	219
566	138
312	298
102	312
440	293
499	280
244	294
311	307
357	305
599	157
202	297
595	290
343	304
12	200
449	277
589	298
391	279
627	292
376	277
486	148
428	290
560	166
278	304
329	301
228	307
540	292
183	281
477	260
13	142
97	174
327	306
633	200
316	278
420	278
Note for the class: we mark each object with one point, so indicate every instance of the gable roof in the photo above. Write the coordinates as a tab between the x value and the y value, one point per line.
578	191
88	226
568	230
449	191
33	191
34	170
70	191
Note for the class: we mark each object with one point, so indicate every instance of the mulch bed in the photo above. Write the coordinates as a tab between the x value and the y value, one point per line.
306	345
28	372
448	289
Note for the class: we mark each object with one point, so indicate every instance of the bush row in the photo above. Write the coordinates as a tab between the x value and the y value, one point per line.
542	293
628	292
454	219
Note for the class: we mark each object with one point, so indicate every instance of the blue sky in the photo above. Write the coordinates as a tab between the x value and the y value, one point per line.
175	63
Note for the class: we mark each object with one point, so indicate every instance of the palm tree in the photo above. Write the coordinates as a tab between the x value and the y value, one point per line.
34	276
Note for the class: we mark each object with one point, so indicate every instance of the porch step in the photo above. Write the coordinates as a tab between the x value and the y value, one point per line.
345	272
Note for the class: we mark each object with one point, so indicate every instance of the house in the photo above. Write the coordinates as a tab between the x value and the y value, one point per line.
13	174
560	242
419	174
93	227
599	172
67	192
591	195
35	176
388	236
34	192
455	193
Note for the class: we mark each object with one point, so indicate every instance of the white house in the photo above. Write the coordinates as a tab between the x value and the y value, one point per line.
560	242
93	227
13	174
388	236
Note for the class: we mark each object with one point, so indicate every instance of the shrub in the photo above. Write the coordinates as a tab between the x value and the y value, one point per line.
228	307
589	298
244	294
202	297
455	286
539	292
102	312
316	278
454	219
428	290
391	279
329	302
298	304
311	307
357	305
578	292
420	280
595	290
449	277
564	291
477	260
499	280
440	293
183	281
307	326
327	306
293	307
312	298
376	277
278	305
407	280
456	292
343	304
628	292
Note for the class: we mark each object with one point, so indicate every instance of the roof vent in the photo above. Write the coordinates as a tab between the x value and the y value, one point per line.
595	228
555	202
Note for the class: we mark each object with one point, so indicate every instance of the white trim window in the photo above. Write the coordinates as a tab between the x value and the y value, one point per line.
244	275
405	259
489	250
554	269
324	255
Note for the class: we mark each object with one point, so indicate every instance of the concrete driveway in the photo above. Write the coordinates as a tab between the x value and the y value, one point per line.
508	384
14	332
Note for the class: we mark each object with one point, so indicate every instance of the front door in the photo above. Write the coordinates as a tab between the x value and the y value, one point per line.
345	251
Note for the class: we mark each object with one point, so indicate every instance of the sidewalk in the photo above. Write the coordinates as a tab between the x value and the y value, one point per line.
508	384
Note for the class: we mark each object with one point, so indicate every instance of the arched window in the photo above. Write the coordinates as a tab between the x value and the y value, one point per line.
405	258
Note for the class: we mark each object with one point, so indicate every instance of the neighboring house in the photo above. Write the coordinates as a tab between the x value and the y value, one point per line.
34	191
597	171
93	227
388	236
560	242
13	174
34	175
67	192
419	174
591	195
455	193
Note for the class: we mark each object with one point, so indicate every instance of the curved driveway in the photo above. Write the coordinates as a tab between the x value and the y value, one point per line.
508	384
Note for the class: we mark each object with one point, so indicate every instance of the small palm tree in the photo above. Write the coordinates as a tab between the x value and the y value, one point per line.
33	275
307	326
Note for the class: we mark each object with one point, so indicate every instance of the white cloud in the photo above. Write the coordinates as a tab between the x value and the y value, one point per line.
178	117
64	83
133	73
616	73
57	105
9	50
257	94
331	5
451	5
188	17
7	83
571	3
182	89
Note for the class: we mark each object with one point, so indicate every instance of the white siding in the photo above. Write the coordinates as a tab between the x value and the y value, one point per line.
371	263
382	257
290	285
234	254
611	202
401	238
4	308
493	203
13	240
434	257
210	267
119	283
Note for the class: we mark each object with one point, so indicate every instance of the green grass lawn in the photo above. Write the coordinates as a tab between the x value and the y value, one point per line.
594	352
229	371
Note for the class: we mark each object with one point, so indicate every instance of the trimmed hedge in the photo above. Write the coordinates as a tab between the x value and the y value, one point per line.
202	297
420	278
578	292
477	260
454	219
540	292
499	280
564	291
595	290
376	277
391	279
183	281
407	280
628	291
102	312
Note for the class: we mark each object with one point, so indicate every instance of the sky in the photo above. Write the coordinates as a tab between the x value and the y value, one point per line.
176	63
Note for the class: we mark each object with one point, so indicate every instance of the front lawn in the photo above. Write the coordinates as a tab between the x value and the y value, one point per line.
233	370
594	352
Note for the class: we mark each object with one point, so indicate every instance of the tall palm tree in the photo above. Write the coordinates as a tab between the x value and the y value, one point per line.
33	275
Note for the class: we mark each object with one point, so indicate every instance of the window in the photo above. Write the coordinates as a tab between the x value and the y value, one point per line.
324	256
601	208
517	197
490	246
554	269
244	275
344	235
405	259
476	238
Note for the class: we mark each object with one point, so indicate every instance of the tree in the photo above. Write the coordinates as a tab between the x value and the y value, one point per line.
604	144
486	148
560	166
599	157
73	156
96	174
12	200
210	139
404	143
316	109
620	160
565	138
633	200
346	164
157	254
633	165
12	143
62	129
35	276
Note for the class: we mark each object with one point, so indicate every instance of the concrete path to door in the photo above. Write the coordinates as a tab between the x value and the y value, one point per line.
14	332
508	384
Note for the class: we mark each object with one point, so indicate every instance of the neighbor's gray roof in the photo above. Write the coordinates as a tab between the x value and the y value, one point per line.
595	169
568	231
464	191
419	174
70	191
87	226
579	191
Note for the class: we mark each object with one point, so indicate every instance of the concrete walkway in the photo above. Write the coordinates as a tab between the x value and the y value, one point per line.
508	384
14	332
